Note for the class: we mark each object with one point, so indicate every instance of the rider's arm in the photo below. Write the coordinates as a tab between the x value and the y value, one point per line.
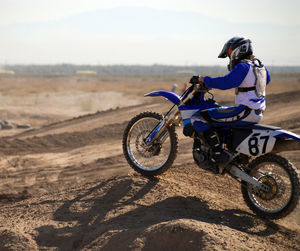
232	80
268	76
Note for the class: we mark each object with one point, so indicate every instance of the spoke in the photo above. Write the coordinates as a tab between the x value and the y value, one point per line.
281	197
146	159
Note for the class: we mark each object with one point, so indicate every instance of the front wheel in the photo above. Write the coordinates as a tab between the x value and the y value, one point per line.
159	156
282	181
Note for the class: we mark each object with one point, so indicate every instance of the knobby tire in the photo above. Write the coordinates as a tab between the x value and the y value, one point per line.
173	139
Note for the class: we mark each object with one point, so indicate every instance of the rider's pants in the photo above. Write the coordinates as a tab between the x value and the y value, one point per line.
229	116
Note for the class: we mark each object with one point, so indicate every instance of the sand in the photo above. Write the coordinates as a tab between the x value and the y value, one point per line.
65	185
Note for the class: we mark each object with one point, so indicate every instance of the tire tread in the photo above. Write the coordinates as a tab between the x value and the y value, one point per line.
174	145
295	180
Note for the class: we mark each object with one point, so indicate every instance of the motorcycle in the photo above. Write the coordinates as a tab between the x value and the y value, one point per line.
270	184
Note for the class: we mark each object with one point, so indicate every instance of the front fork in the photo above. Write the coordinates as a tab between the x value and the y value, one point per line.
160	133
173	117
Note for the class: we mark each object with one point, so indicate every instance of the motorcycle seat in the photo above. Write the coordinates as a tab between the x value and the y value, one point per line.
257	127
246	125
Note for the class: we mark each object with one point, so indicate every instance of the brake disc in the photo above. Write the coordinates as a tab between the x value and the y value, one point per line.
272	184
153	150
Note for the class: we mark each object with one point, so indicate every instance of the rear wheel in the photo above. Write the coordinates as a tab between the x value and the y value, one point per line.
283	187
156	158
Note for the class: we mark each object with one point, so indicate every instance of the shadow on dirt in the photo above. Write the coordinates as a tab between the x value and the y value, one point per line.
6	198
113	211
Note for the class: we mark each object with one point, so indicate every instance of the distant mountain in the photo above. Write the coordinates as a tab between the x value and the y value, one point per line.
143	20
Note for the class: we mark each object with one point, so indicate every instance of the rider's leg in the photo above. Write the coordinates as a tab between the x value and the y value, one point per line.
221	116
204	130
202	121
219	154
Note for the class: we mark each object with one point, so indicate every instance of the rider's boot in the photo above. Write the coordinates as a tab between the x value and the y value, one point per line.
189	131
219	155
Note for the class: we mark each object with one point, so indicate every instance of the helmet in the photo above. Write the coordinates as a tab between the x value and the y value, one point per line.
236	48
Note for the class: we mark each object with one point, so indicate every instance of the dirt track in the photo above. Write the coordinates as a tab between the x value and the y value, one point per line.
67	186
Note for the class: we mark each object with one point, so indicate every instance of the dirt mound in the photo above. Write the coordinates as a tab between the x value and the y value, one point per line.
181	209
90	117
12	241
61	142
283	98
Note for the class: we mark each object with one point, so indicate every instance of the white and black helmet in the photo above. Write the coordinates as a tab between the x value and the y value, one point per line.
237	49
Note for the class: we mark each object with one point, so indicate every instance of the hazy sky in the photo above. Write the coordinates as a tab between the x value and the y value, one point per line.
146	31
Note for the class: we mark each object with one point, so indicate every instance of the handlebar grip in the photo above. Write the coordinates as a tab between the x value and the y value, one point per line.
194	80
201	87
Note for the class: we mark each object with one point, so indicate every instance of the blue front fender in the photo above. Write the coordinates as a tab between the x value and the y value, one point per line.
173	97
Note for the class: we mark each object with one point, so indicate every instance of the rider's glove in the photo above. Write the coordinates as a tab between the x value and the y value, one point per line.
194	80
198	83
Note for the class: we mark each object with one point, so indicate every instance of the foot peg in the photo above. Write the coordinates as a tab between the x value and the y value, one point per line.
220	155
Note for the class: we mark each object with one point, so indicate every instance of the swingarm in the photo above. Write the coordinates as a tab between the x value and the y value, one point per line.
238	173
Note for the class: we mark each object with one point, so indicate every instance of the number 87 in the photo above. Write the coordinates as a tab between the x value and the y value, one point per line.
254	146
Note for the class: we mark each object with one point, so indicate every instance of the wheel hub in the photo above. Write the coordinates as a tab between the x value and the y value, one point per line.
148	152
271	188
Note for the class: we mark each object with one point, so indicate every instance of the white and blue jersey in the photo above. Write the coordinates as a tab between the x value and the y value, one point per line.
242	75
249	107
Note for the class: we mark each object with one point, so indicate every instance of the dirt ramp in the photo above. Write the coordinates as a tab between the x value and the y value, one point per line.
168	236
15	241
181	234
134	213
173	212
186	234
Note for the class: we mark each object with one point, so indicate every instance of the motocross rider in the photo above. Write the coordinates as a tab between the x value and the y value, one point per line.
249	77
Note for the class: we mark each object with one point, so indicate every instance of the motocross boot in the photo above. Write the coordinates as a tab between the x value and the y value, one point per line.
219	155
189	130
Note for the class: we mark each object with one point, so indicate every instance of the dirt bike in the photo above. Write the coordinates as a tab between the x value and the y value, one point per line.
270	184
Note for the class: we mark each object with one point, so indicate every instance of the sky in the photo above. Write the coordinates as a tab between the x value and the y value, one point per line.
175	32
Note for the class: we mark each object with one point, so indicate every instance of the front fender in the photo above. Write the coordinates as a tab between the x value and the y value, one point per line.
173	97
